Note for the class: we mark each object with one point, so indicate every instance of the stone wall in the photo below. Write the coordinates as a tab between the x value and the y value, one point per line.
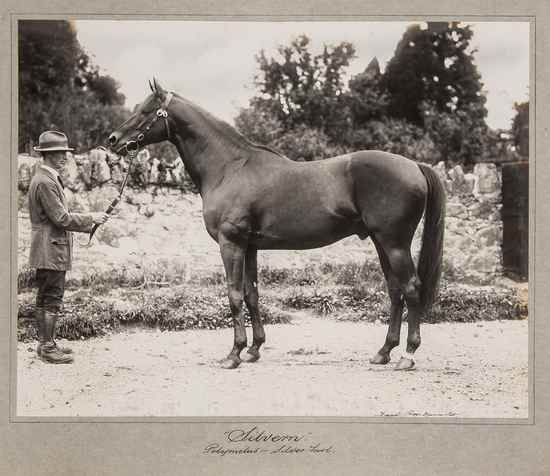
99	167
473	240
473	236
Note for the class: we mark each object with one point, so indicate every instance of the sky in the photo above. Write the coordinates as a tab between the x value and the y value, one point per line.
213	63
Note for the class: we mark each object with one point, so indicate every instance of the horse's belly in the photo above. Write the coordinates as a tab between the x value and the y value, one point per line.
306	235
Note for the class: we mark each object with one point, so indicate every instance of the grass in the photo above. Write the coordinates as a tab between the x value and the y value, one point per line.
88	314
101	303
173	273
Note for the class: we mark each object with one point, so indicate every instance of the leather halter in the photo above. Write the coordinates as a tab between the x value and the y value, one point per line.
162	112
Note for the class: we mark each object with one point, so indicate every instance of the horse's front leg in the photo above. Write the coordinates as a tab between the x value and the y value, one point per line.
251	299
233	260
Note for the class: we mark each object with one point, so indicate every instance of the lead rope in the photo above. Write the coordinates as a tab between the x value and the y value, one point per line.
133	152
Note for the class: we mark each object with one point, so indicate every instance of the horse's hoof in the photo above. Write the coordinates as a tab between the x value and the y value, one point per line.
380	359
405	364
251	355
230	363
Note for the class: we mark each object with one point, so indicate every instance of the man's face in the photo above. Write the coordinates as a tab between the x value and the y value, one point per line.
56	160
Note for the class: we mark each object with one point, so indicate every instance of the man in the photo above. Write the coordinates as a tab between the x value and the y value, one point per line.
51	240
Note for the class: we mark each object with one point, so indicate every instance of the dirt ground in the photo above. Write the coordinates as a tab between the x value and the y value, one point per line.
311	367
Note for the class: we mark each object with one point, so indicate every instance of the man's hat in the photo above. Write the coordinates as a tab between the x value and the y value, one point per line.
51	141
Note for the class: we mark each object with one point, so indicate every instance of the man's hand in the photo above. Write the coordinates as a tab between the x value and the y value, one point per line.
99	218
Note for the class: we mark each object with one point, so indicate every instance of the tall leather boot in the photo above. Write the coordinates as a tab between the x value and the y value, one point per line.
39	318
49	352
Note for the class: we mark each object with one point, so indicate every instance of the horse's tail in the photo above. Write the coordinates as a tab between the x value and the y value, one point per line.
431	253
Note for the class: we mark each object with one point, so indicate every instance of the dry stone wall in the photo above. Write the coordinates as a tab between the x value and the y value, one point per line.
473	239
473	236
99	167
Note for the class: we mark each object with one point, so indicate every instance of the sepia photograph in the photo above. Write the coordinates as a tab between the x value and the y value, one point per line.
272	219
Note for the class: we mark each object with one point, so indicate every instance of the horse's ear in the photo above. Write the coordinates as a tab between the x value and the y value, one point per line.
159	90
151	86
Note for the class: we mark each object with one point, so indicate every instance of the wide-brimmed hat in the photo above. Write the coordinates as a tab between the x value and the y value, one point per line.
51	141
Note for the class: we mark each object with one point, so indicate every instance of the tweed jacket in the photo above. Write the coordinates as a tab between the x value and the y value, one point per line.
52	223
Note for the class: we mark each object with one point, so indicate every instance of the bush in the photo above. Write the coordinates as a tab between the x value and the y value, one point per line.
258	125
306	144
370	303
469	304
396	136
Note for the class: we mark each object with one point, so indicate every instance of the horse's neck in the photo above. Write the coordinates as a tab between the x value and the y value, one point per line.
207	153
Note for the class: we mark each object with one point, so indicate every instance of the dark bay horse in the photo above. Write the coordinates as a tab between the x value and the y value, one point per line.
254	198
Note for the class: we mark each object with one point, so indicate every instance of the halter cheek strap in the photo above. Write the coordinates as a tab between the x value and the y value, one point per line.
161	112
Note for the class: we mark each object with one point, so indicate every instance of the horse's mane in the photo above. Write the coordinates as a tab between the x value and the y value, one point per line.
225	130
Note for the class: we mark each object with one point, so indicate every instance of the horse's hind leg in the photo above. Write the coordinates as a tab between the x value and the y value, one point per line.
251	300
396	309
402	266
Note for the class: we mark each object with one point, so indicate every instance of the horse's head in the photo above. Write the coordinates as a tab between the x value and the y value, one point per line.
148	125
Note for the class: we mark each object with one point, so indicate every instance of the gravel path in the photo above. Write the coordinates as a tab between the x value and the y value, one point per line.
312	367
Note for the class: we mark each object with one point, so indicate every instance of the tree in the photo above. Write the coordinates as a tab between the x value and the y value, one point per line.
48	51
520	128
259	125
428	104
397	136
432	82
433	64
366	97
460	136
302	88
59	87
104	87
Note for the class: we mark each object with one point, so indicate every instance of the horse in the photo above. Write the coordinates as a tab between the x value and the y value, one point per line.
255	198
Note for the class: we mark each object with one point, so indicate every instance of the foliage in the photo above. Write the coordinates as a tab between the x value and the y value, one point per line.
520	128
259	125
367	98
466	304
321	303
428	104
89	314
460	137
301	88
432	82
433	64
48	57
397	136
86	121
302	143
456	303
306	144
60	88
104	303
